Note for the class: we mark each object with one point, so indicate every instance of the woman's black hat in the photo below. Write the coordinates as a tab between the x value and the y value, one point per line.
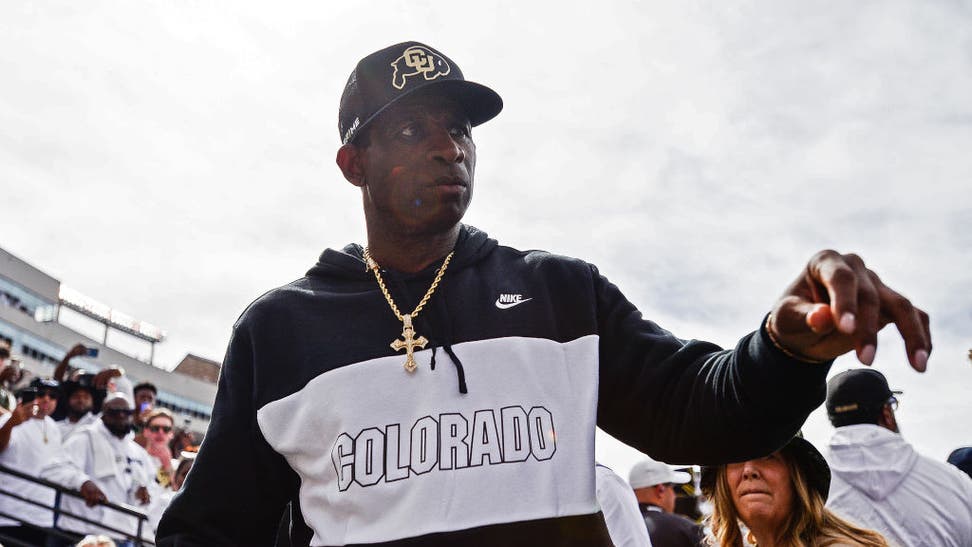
810	461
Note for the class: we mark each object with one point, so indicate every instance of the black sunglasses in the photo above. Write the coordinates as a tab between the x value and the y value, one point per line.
157	428
119	411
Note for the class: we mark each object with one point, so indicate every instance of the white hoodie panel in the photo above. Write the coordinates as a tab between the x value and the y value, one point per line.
881	482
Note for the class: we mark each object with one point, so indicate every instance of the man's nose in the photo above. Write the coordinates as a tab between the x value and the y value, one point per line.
445	147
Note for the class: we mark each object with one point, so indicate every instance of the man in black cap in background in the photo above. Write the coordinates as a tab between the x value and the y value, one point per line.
30	442
879	480
81	401
437	388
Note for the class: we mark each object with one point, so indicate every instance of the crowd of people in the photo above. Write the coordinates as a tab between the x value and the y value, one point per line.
92	433
869	488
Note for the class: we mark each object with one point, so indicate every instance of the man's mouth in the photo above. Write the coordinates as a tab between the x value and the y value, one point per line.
450	181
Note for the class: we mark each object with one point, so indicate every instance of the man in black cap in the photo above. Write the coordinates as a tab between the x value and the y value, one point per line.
30	442
879	480
82	401
434	387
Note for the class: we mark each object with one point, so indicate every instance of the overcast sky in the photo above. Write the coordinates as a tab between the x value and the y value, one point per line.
174	160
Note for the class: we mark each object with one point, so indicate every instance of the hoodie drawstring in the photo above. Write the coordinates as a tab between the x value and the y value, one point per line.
460	371
445	329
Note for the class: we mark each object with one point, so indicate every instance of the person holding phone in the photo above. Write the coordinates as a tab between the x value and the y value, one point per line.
30	441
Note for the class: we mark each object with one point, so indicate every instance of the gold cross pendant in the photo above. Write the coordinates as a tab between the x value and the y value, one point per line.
410	343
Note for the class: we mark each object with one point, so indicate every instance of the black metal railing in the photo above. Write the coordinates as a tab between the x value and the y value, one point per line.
59	493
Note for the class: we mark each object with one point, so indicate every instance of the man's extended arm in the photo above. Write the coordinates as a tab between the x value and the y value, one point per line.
691	402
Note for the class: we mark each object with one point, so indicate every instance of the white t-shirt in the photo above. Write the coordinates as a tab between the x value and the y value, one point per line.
35	445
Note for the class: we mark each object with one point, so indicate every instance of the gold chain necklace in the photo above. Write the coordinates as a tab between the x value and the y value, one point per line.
409	340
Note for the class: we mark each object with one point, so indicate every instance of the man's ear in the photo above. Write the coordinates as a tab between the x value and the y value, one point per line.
888	420
349	159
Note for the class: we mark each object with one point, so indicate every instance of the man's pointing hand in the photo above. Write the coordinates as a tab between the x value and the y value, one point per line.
838	304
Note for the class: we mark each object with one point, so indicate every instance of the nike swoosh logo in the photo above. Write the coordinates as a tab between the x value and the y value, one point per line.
508	305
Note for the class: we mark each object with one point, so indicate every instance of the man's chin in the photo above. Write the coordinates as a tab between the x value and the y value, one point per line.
119	431
445	219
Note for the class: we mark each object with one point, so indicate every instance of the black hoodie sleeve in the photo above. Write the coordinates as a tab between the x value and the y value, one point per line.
238	486
690	401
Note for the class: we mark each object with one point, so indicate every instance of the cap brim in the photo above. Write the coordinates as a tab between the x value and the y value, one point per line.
680	477
480	103
810	460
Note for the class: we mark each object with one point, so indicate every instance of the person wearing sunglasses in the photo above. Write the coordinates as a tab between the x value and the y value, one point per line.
158	433
30	442
124	471
879	480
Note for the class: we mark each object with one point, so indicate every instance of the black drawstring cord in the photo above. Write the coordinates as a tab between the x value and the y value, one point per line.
460	372
442	315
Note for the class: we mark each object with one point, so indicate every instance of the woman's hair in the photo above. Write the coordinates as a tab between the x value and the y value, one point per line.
808	524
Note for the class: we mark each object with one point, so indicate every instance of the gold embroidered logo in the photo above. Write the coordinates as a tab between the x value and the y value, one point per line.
418	60
845	408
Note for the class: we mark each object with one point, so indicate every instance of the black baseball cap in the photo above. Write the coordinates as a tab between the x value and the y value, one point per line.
962	458
391	74
83	381
857	393
45	383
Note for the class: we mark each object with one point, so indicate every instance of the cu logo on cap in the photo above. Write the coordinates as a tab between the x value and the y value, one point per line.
418	60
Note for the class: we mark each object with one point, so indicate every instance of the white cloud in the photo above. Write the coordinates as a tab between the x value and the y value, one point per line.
175	160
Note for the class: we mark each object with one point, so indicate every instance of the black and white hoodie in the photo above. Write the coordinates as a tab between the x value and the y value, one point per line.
491	440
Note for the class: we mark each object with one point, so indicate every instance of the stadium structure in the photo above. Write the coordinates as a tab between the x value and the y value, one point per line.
42	319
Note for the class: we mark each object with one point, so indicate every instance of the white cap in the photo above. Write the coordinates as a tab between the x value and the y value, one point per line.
118	395
649	472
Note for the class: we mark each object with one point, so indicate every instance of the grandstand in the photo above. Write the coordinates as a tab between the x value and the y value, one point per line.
41	319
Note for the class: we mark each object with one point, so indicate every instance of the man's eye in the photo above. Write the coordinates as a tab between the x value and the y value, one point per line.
459	131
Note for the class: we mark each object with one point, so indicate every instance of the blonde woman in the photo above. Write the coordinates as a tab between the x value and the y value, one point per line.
780	499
